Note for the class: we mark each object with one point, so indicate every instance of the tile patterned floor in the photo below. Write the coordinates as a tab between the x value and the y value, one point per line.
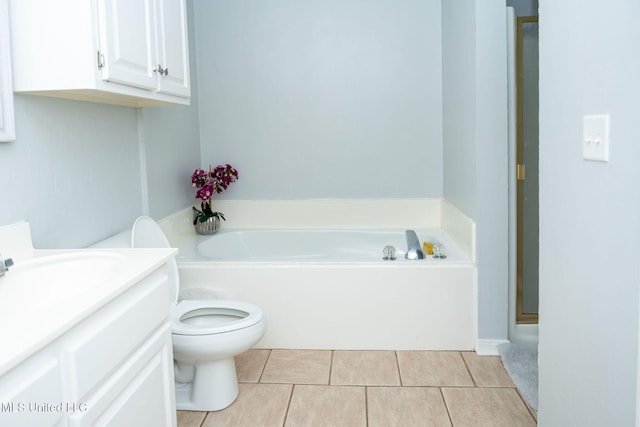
339	388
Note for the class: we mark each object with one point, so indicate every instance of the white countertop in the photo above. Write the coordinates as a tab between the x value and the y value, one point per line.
24	333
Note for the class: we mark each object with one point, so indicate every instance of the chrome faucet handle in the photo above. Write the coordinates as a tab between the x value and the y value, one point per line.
4	265
389	253
439	252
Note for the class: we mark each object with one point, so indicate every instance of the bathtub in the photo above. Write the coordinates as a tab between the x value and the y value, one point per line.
331	289
311	246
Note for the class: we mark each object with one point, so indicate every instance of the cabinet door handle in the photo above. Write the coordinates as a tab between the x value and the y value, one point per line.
162	71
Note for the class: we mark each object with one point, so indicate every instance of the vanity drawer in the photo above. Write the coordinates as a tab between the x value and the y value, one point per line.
97	347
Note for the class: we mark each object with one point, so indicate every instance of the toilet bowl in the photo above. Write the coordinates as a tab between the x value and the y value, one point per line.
206	335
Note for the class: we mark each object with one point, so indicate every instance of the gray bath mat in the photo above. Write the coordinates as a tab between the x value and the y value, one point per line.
522	364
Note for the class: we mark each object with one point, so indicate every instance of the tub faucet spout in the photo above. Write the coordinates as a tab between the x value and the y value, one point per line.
4	265
413	246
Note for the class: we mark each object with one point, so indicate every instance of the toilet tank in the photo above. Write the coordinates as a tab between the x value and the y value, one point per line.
119	240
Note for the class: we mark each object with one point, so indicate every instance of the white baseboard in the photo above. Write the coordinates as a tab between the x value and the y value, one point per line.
489	347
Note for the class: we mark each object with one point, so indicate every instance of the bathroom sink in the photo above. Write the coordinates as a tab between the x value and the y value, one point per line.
50	280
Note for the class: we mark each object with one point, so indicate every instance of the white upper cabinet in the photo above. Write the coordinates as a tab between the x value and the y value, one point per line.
173	47
7	126
129	52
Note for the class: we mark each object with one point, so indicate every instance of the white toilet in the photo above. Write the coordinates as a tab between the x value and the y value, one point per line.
206	335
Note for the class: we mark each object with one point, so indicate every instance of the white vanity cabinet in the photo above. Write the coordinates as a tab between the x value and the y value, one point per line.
128	52
114	368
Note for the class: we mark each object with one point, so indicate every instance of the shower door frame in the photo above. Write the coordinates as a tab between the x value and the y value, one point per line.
521	316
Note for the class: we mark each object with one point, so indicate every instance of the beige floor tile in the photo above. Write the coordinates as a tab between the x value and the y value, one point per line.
190	418
297	367
331	406
250	364
487	371
406	407
364	368
433	368
262	405
491	407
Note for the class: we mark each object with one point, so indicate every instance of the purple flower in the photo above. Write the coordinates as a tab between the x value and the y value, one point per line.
204	193
215	180
198	178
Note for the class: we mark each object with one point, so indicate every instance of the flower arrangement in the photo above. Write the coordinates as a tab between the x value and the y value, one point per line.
207	183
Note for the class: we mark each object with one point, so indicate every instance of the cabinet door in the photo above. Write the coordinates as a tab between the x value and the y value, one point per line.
140	393
173	47
127	42
7	127
30	394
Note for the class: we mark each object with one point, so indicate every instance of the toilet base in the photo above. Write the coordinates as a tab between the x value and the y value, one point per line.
215	386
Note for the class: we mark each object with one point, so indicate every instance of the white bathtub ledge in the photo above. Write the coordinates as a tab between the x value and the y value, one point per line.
460	228
330	213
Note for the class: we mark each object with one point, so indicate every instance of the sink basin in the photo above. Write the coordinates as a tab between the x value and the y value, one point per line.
49	280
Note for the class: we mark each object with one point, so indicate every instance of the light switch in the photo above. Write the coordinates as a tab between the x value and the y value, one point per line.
595	137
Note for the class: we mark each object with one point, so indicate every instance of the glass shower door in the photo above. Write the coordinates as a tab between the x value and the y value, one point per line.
527	169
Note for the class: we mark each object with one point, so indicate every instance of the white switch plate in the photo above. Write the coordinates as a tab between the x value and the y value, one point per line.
595	137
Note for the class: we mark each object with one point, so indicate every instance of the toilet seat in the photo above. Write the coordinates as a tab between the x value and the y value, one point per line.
239	315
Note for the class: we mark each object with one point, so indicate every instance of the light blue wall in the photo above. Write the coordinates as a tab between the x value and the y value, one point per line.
73	171
492	169
326	99
589	214
459	107
475	144
171	142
